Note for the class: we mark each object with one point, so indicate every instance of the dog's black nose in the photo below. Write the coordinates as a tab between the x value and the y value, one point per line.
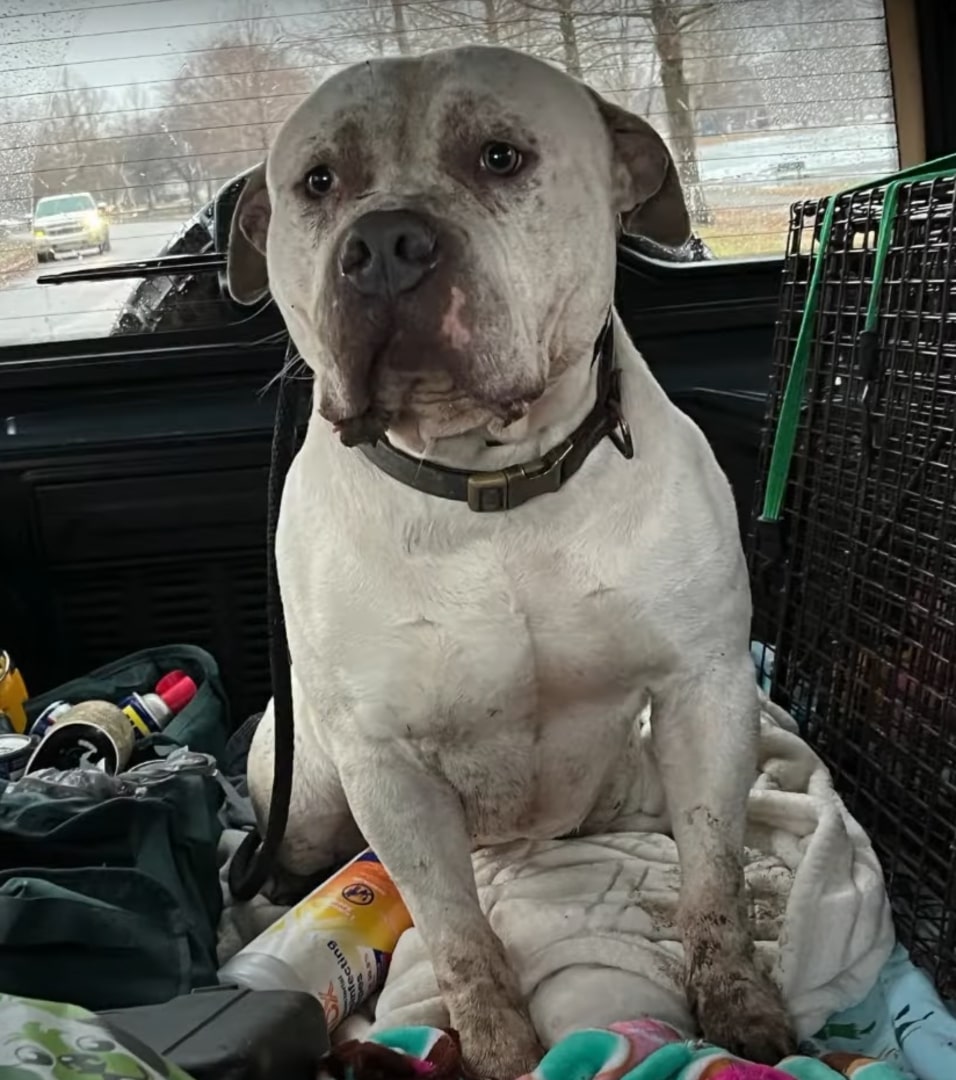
387	252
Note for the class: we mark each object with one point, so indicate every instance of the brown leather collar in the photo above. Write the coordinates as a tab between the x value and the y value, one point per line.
504	489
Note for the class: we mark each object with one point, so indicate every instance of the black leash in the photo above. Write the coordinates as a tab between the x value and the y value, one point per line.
255	858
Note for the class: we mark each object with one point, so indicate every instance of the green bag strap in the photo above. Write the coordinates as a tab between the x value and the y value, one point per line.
785	435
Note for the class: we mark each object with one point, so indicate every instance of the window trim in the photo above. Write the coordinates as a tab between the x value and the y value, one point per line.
903	45
936	32
179	357
736	291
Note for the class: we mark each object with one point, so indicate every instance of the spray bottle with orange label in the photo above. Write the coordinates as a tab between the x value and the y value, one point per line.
13	693
336	943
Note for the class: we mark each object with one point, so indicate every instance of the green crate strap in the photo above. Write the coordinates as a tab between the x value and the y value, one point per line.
785	435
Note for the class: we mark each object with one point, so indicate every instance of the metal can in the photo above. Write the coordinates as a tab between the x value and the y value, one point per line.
15	751
144	715
49	717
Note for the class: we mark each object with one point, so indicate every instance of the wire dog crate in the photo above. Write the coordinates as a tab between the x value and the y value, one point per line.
853	549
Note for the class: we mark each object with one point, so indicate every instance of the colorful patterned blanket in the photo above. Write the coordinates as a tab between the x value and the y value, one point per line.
639	1050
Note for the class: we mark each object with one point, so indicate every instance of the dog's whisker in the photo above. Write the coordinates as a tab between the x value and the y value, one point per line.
292	369
273	338
429	447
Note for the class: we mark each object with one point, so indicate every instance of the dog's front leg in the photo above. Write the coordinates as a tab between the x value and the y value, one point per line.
705	730
426	849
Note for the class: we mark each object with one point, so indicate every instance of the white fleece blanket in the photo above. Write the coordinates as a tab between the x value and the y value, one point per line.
589	921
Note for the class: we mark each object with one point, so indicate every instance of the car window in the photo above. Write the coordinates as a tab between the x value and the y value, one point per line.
148	107
64	204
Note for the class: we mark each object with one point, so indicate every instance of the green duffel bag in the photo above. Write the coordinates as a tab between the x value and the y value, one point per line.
112	902
203	725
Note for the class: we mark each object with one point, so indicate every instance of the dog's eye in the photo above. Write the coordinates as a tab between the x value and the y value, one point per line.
501	158
319	181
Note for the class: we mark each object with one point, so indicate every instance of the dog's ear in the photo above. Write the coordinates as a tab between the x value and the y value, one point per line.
246	257
646	187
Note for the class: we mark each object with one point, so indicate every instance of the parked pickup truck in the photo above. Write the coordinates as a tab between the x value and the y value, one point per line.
69	223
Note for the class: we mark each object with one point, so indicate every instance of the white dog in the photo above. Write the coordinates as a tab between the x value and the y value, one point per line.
439	234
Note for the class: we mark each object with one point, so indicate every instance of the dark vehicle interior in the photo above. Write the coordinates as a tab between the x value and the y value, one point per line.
134	463
133	467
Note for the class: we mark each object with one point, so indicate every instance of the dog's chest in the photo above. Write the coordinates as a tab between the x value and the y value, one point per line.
511	666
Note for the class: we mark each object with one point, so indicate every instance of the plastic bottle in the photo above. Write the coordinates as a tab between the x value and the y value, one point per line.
13	692
336	943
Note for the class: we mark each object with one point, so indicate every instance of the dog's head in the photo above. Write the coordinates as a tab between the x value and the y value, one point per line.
439	234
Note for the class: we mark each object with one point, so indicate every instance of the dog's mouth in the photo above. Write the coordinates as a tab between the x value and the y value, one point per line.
419	413
420	401
368	429
419	429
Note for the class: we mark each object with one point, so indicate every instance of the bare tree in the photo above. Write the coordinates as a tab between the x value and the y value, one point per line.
122	155
491	21
76	138
669	20
401	29
347	34
633	49
622	46
72	155
223	108
143	154
29	75
20	131
382	26
569	37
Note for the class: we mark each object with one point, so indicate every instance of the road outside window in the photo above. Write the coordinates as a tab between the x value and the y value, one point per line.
120	121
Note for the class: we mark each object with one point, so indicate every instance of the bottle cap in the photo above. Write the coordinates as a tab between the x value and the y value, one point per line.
176	692
169	680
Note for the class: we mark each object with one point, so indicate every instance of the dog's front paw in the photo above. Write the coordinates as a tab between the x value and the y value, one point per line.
740	1010
498	1042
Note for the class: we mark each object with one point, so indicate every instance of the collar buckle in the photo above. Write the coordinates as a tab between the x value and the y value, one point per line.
489	492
